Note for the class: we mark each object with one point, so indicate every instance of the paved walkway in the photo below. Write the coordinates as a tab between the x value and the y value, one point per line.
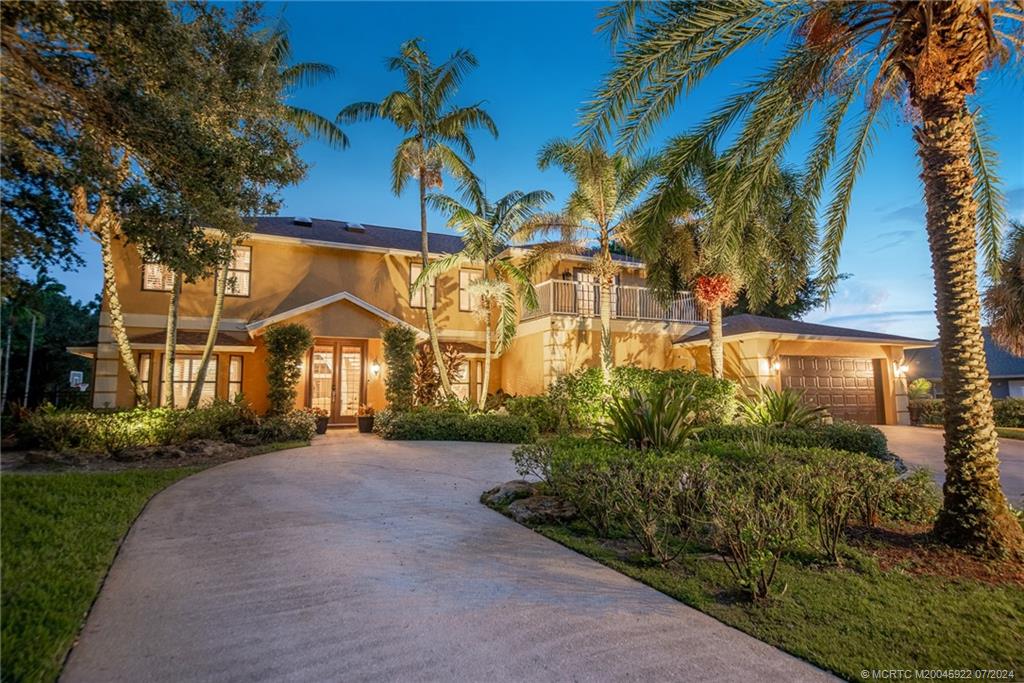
923	447
363	560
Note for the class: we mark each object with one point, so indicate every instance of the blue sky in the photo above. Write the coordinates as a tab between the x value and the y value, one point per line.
538	62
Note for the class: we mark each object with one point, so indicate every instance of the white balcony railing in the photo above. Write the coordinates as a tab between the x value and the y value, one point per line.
568	297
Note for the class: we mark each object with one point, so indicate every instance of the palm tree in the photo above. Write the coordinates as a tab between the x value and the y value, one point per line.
928	53
768	256
1004	299
303	75
606	187
487	229
432	129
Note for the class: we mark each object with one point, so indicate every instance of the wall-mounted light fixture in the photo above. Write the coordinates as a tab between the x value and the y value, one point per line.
776	365
900	367
374	369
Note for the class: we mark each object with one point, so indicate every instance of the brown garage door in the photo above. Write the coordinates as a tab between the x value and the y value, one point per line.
848	387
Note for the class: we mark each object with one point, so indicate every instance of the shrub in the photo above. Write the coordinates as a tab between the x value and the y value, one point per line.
540	408
399	352
297	425
661	419
533	460
579	471
914	498
286	346
754	518
920	388
840	436
1008	412
928	411
583	397
786	408
440	424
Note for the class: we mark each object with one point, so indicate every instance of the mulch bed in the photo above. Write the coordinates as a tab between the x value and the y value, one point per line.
914	550
200	452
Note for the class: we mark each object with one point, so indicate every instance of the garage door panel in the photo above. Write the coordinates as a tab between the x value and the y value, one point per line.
847	387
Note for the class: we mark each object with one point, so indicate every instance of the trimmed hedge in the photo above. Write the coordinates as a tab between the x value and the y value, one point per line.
1008	412
438	424
582	396
111	432
840	436
541	409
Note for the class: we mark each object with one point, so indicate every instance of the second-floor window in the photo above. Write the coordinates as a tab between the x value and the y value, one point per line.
418	298
239	272
157	277
467	301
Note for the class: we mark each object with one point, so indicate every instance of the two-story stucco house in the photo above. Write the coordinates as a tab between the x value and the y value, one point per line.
344	281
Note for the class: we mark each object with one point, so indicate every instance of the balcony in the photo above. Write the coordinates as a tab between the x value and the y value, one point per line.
583	299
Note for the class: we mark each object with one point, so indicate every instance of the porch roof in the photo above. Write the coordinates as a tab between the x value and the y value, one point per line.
735	327
189	340
257	327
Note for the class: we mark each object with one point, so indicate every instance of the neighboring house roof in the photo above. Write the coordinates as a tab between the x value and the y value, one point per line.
255	327
1002	364
356	235
190	338
747	325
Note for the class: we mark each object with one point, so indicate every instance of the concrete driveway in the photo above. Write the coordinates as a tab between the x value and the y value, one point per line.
923	447
362	560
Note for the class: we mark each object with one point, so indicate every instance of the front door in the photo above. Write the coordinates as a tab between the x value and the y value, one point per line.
336	382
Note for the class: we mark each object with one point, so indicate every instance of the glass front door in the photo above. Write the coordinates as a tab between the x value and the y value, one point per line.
336	379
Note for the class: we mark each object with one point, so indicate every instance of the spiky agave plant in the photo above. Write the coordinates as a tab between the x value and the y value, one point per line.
660	420
845	62
786	408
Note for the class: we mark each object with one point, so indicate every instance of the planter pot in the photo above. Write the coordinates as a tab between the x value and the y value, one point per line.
321	425
365	423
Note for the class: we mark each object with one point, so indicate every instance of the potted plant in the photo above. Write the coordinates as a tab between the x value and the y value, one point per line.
364	417
321	420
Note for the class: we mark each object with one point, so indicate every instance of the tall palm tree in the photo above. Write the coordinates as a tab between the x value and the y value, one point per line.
927	53
434	131
302	75
1004	299
767	256
598	210
487	229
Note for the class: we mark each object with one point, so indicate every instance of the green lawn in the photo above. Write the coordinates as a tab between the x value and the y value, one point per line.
60	533
1010	432
848	620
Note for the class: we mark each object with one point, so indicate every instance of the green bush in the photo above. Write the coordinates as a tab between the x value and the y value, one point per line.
1008	412
298	425
429	423
914	498
540	408
399	353
286	347
919	389
840	436
660	419
583	397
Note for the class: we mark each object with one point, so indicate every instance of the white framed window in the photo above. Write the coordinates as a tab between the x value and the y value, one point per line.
460	380
418	299
156	277
186	370
234	377
239	272
468	302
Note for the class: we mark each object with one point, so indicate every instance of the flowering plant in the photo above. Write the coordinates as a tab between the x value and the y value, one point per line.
318	412
364	410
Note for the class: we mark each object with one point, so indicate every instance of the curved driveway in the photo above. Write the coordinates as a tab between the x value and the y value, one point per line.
357	559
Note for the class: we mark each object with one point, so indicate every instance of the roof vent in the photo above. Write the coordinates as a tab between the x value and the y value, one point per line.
355	227
303	220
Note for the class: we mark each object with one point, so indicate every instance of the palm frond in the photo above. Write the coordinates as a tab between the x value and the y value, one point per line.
436	267
306	74
359	111
988	195
310	123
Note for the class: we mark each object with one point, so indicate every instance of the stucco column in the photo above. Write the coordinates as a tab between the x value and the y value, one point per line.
902	399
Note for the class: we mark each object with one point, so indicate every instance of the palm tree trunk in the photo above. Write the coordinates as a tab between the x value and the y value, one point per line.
606	327
171	341
715	339
428	291
211	336
486	380
974	512
102	225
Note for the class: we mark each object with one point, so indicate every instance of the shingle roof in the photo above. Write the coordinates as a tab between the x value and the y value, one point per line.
192	338
928	362
339	232
736	325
